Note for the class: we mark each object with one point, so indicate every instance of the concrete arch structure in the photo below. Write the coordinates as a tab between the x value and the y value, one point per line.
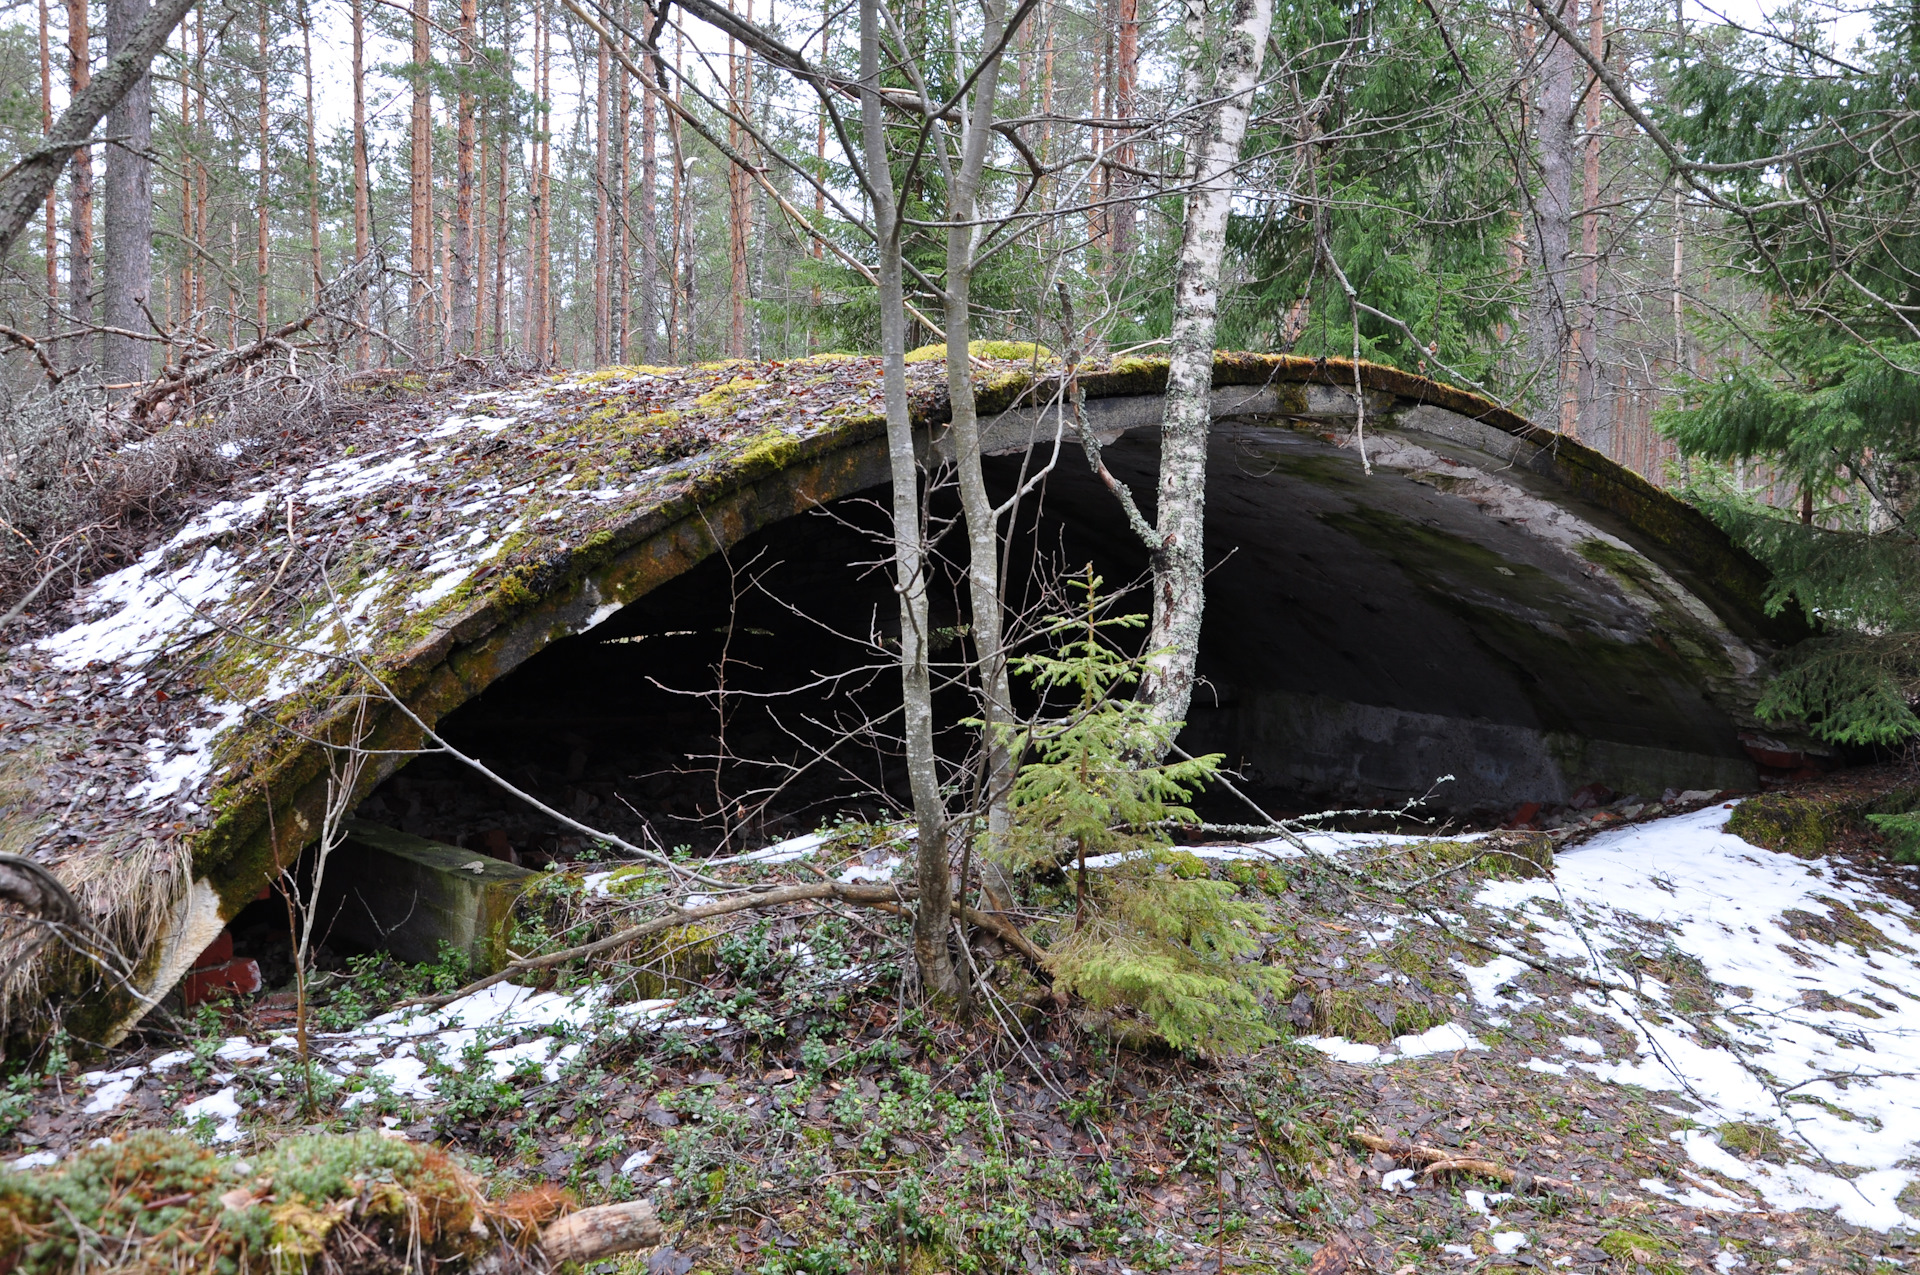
1492	600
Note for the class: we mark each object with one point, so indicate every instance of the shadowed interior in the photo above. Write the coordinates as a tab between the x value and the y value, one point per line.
1366	635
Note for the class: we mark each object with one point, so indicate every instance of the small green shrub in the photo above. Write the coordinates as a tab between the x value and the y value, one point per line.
1903	835
1152	931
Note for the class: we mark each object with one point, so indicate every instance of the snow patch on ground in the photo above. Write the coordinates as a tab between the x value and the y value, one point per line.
1447	1038
409	1052
1816	1025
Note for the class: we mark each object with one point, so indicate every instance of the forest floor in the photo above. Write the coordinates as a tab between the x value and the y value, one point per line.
1677	1052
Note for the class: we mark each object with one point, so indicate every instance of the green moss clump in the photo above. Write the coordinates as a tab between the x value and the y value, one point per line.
1636	1249
1506	856
1023	351
178	1205
1806	824
1357	1015
772	450
1755	1141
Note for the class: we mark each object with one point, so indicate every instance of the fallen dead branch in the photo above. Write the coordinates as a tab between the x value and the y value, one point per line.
1437	1161
602	1231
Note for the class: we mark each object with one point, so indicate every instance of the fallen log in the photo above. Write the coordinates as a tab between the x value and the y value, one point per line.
1437	1161
599	1232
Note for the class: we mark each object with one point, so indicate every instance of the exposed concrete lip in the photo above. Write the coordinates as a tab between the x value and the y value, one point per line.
695	505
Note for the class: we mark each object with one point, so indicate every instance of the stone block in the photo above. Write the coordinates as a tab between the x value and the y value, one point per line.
389	891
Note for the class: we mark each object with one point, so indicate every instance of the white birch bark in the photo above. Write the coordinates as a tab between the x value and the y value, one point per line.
982	520
1180	556
933	910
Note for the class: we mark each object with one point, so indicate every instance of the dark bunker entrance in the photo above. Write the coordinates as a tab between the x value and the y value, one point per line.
1369	640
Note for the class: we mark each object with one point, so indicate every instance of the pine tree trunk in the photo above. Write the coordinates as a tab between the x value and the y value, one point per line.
202	187
619	162
501	225
1120	217
538	271
602	211
51	247
676	347
80	189
313	154
420	192
463	301
1553	212
263	242
933	910
1180	558
362	195
649	215
127	280
1594	408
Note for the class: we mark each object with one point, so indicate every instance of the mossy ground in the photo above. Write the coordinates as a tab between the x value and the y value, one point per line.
834	1126
1811	819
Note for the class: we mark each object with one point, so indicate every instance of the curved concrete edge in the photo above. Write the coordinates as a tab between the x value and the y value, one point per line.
467	652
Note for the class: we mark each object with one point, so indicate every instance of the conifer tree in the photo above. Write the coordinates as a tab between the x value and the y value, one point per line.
1832	404
1149	933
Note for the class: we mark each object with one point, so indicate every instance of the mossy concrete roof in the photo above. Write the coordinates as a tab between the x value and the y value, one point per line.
164	729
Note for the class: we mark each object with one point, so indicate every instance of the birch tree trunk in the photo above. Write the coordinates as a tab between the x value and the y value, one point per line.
1180	556
128	224
933	911
983	523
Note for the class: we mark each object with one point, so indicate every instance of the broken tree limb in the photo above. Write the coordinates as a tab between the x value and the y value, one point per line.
161	390
600	1232
25	187
1435	1161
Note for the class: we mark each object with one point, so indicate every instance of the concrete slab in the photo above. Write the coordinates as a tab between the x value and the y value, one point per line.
389	891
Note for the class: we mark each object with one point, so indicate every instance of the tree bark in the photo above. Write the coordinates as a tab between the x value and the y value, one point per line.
739	198
932	870
128	224
1180	555
23	193
262	209
420	191
313	154
362	195
80	189
982	521
649	215
620	303
51	248
602	211
1595	410
463	300
1120	217
1554	213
